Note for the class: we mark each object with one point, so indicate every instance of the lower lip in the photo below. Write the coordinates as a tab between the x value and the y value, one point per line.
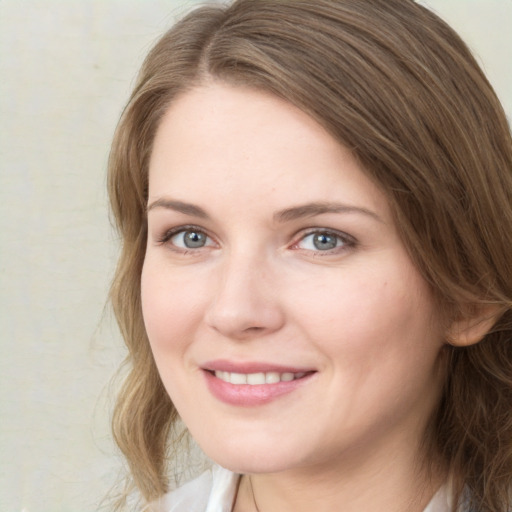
248	395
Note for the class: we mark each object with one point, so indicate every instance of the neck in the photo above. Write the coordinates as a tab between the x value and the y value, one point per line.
393	484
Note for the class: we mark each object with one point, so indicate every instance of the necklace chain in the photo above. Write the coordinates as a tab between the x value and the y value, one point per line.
252	493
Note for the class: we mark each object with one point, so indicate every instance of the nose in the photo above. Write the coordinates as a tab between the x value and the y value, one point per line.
245	303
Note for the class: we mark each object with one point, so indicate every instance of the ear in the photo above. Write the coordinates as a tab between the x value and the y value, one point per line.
473	326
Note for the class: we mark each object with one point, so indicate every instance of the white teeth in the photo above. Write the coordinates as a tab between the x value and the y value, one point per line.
272	377
238	378
258	378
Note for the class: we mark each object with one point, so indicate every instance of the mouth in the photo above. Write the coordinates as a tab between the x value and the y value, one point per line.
258	379
253	384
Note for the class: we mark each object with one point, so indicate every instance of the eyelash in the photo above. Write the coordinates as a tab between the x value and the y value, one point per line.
347	241
169	234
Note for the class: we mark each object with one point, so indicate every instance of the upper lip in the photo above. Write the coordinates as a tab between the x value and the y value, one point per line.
220	365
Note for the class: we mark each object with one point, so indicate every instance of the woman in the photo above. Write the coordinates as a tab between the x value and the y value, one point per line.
315	202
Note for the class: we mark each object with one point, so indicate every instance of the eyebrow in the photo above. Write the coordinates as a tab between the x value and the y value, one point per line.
313	209
282	216
178	206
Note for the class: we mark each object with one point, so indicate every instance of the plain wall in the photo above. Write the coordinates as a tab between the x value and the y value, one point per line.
66	68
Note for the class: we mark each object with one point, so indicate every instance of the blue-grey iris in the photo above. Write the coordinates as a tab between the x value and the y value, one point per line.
194	239
325	241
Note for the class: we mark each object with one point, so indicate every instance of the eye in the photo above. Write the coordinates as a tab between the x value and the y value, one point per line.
323	241
187	238
190	239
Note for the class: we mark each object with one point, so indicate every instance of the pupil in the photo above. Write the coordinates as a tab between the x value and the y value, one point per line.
324	242
193	239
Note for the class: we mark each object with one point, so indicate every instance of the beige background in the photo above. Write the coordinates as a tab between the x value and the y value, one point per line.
66	68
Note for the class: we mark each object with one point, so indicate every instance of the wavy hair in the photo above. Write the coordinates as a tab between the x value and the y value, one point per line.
396	85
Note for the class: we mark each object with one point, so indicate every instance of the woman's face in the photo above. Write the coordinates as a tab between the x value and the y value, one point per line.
288	323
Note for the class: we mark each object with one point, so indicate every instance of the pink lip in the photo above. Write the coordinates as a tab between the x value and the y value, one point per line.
247	395
222	365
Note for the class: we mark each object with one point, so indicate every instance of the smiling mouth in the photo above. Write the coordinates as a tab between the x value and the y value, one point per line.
258	379
253	384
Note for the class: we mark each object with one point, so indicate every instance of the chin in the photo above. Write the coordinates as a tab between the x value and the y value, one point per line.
257	459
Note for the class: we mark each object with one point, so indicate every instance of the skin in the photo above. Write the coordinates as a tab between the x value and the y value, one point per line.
259	289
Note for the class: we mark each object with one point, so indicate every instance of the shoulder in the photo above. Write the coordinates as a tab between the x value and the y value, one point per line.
212	491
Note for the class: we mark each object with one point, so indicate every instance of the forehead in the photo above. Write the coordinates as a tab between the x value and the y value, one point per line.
246	146
243	121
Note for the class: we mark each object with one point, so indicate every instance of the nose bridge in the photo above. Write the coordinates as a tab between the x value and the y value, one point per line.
245	301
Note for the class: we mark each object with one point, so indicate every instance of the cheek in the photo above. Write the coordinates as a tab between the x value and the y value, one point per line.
384	314
380	347
170	307
172	311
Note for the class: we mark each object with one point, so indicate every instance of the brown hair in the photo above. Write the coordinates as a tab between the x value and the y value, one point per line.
391	81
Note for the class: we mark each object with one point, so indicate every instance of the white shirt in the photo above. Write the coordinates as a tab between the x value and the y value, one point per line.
215	490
